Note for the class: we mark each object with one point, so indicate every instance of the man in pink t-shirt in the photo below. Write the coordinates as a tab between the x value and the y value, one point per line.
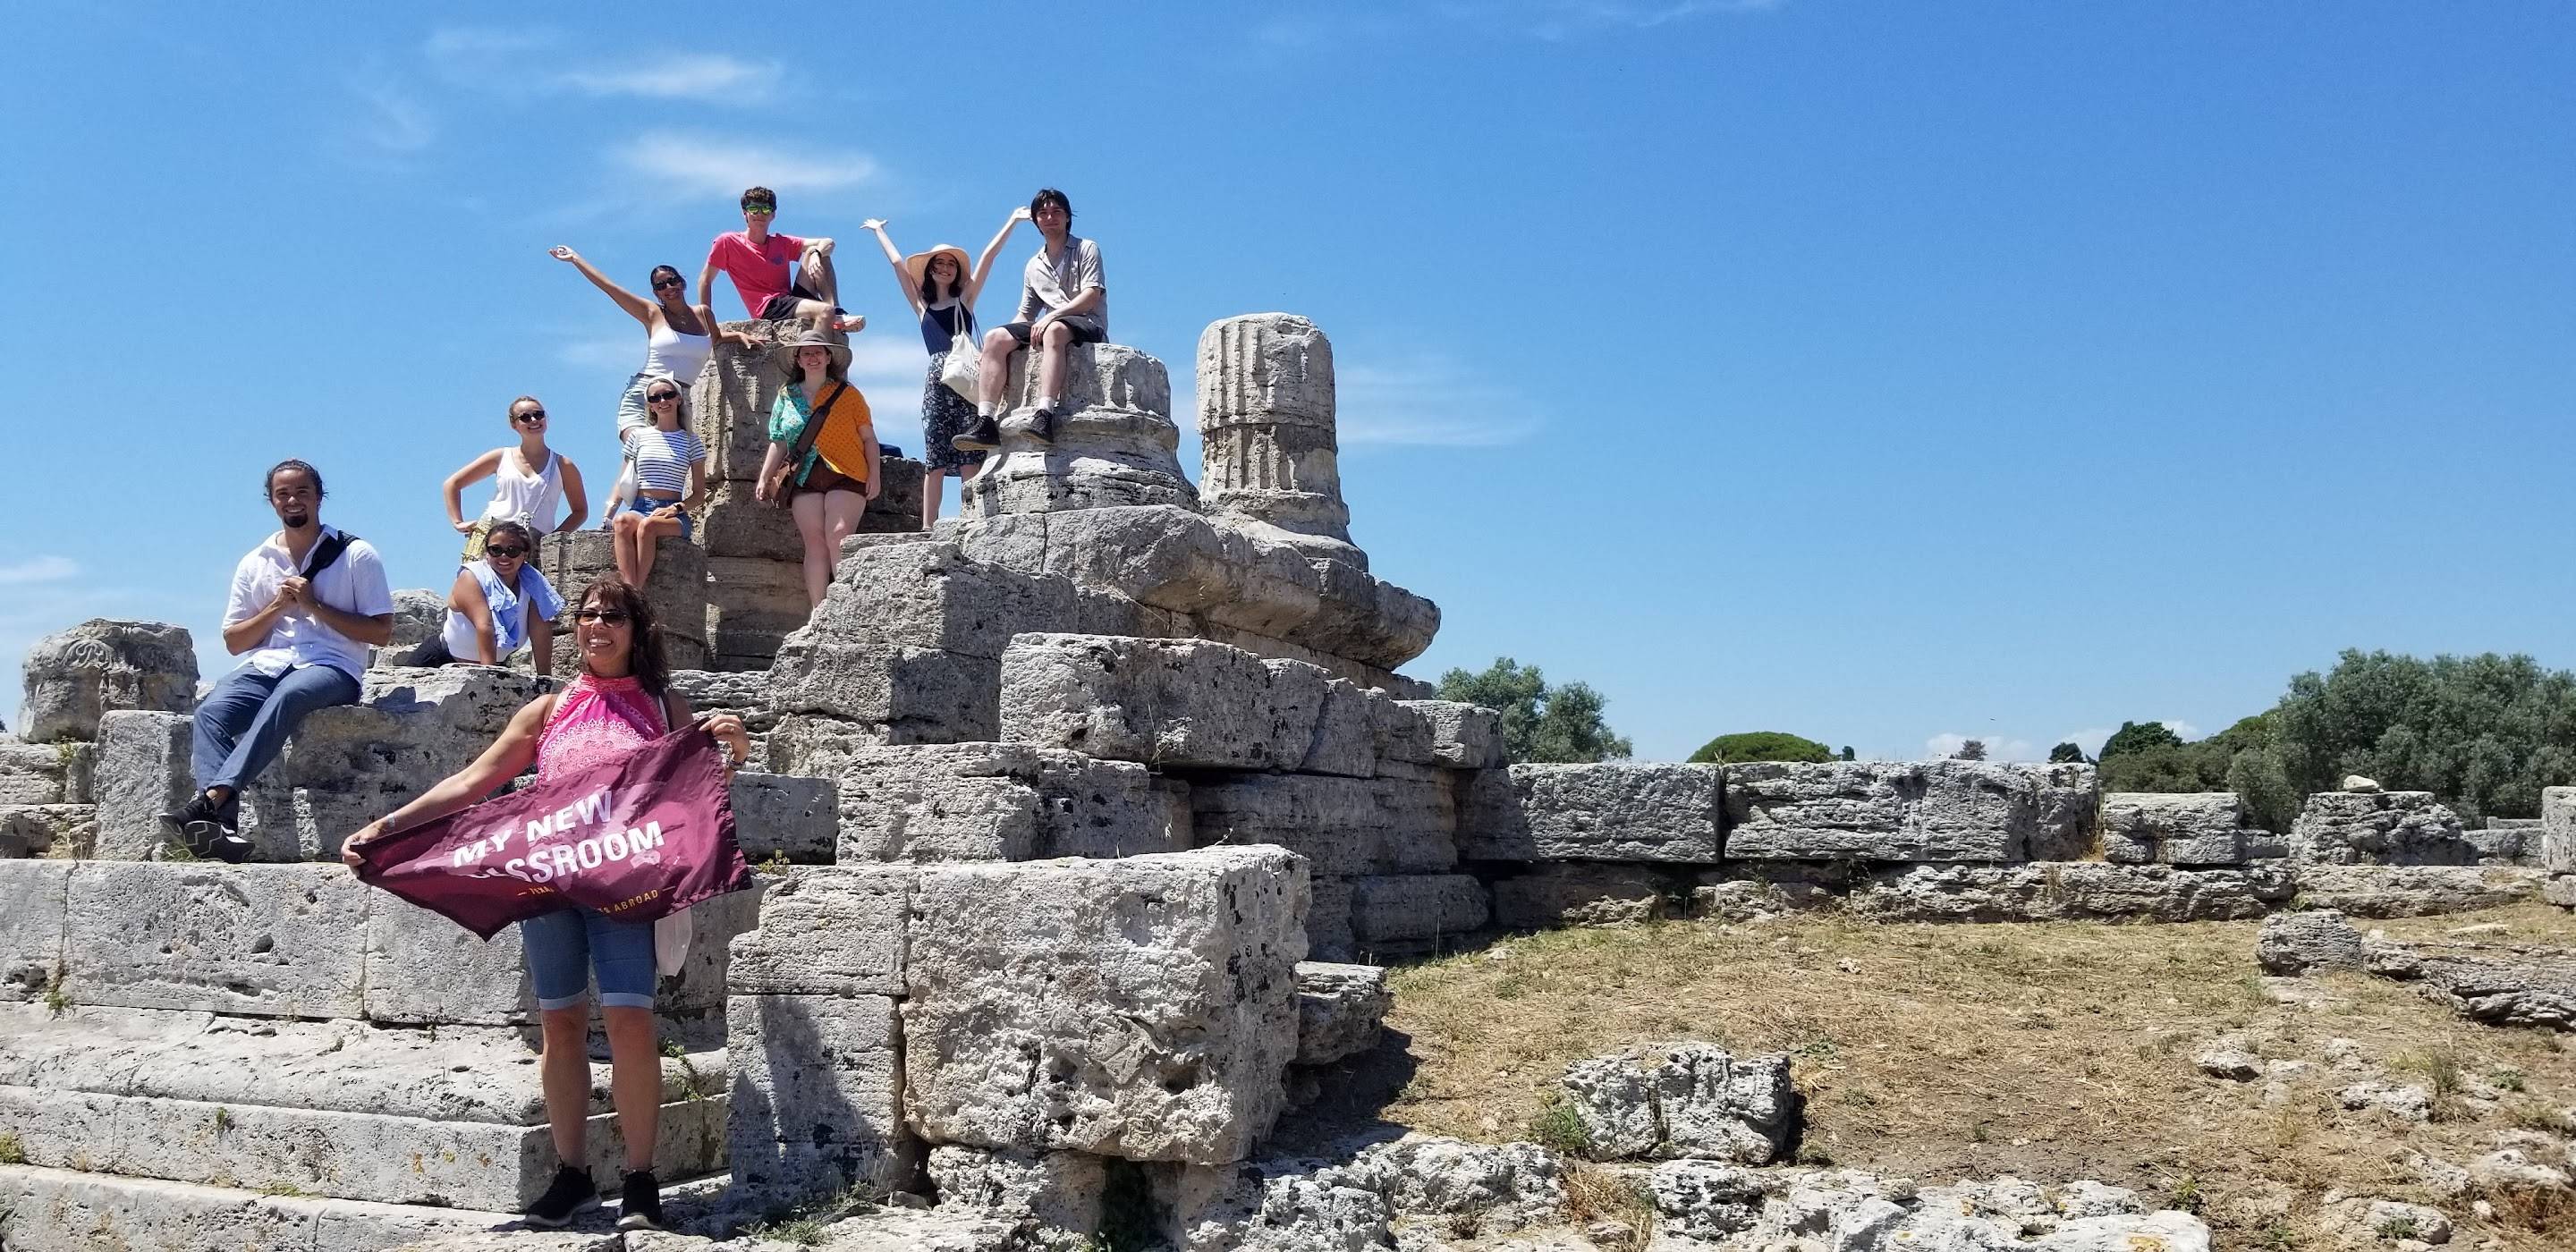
779	277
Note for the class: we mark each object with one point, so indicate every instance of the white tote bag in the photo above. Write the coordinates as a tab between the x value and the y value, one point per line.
963	364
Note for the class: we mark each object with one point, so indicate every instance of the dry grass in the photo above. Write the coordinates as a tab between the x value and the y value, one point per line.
2051	1051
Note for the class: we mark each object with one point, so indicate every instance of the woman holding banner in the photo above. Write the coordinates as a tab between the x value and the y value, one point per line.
620	703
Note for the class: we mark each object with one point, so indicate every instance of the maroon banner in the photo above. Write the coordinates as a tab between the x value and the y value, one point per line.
638	839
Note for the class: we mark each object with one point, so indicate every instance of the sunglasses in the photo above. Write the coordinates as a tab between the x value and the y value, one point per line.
501	551
660	283
605	617
532	415
764	210
658	397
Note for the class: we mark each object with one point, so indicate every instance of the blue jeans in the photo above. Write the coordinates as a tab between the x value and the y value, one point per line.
564	948
245	720
688	525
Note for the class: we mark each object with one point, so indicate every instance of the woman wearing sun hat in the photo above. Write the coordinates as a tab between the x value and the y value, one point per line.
823	454
942	292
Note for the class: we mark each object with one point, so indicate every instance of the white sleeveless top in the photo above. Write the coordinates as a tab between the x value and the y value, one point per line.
667	351
530	500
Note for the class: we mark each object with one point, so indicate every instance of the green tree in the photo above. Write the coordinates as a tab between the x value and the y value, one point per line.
1972	750
2138	737
1762	745
2483	732
1561	724
1848	754
2067	754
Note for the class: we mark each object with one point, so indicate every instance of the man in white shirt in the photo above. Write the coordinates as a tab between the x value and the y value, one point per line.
1064	300
305	605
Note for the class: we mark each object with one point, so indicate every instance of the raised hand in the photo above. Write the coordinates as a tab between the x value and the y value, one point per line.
875	223
563	253
1022	214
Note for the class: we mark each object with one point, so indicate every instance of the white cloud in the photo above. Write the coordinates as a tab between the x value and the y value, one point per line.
1565	19
692	166
2180	727
1429	401
39	569
2091	738
387	127
536	60
692	76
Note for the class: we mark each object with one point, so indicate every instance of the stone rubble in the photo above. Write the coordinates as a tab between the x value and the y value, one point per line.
2379	828
2186	828
1683	1099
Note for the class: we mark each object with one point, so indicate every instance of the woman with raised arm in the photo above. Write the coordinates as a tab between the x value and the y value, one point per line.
942	292
620	702
670	481
528	482
678	339
823	454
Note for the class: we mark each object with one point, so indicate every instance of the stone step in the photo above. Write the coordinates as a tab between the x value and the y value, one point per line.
453	1117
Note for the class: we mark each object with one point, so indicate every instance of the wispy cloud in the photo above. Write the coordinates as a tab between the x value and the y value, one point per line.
38	569
540	60
1429	401
1567	19
386	126
694	166
695	76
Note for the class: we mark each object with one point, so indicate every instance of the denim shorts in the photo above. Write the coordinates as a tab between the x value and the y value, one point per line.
565	948
688	524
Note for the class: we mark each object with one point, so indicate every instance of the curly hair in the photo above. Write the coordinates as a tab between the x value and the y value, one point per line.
644	659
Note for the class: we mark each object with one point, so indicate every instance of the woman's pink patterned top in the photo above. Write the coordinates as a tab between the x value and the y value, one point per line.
595	721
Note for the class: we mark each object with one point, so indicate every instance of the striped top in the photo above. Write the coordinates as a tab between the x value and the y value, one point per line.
663	457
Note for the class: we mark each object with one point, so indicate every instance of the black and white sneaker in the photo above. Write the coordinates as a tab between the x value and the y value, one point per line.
571	1191
209	830
984	436
1042	426
639	1207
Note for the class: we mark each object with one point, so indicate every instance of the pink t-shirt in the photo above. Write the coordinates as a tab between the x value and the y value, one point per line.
758	273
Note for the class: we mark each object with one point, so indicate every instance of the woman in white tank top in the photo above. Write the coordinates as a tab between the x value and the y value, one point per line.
530	480
678	339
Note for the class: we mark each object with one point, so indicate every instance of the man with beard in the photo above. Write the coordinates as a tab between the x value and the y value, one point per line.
305	605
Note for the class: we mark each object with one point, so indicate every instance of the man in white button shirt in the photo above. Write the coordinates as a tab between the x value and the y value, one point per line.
305	605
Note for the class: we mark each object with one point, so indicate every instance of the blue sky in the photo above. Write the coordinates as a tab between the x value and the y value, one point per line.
1882	372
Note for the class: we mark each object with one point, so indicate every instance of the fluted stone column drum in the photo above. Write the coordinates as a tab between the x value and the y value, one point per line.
1266	425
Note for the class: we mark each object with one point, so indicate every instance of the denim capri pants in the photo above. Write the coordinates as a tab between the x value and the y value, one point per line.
566	947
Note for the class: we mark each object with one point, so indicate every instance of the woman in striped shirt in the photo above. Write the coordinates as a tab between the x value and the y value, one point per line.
670	480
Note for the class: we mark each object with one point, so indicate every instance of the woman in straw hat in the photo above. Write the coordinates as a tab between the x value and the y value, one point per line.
822	457
942	292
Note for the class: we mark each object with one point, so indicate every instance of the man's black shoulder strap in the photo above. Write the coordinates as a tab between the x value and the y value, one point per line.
327	551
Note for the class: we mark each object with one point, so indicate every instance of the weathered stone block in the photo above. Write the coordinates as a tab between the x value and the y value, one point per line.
929	595
827	930
1685	1100
1061	1192
1880	811
260	940
1171	702
2558	829
2295	943
1463	736
31	926
2414	890
2379	828
2057	891
2182	828
1407	913
1114	442
1328	919
2070	807
809	745
424	969
677	589
1346	731
934	803
74	677
1342	826
32	773
1609	812
1554	895
143	772
815	1104
781	815
38	829
1009	967
353	763
921	695
754	603
1339	1010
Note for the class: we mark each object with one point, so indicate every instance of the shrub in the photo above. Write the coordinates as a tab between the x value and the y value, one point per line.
1763	745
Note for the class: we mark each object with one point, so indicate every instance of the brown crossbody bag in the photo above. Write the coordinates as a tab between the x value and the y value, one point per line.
781	487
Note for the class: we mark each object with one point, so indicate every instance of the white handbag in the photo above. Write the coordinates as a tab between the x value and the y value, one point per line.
958	372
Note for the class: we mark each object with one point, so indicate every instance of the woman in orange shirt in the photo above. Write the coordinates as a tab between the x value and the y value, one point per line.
829	486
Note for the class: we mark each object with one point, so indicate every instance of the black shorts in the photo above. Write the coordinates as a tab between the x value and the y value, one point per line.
782	307
1084	329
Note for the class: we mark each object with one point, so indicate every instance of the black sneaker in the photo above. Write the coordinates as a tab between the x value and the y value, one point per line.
197	809
1042	426
984	436
211	840
640	1206
571	1191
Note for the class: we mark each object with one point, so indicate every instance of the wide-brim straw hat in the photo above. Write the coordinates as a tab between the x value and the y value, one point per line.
918	264
785	353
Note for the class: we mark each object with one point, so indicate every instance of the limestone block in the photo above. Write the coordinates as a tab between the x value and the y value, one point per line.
2058	891
998	802
2559	889
143	772
1277	1205
1170	702
1343	826
418	614
75	676
753	604
1346	730
353	763
1328	919
1277	366
1502	1187
2414	890
423	969
1061	1192
1005	1043
1173	559
1266	426
2294	943
827	930
31	926
921	695
677	590
1339	1008
1114	443
746	695
2182	828
1607	812
1463	736
810	745
1580	894
779	815
259	940
1880	811
32	773
729	401
2378	828
815	1104
2500	984
2070	806
930	595
1684	1099
48	829
1407	913
2558	829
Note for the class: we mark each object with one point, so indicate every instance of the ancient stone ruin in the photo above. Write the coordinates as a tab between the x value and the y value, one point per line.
1088	822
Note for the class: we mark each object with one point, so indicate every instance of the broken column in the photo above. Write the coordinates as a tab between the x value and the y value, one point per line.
1114	442
74	676
1268	450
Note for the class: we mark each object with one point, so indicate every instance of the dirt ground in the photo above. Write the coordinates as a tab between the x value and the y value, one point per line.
2050	1051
